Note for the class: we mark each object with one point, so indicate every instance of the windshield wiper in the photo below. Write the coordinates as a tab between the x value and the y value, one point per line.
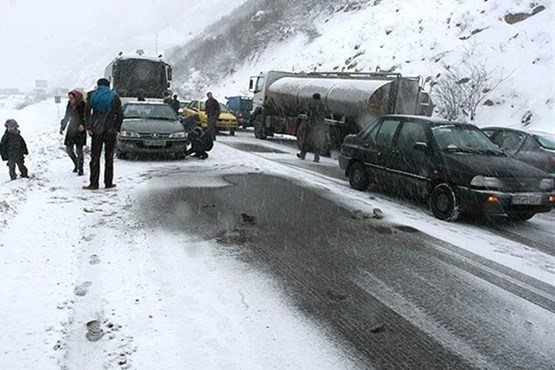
492	152
164	118
467	149
464	149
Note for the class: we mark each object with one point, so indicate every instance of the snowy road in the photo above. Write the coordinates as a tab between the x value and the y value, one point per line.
400	297
538	233
163	272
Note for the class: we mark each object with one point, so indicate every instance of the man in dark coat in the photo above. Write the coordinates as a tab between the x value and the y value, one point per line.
103	119
76	135
212	109
201	143
13	149
175	104
316	131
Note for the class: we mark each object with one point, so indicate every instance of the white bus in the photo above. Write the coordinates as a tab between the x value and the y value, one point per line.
132	76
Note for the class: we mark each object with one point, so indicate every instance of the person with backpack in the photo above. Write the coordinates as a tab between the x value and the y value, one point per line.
76	135
13	149
103	119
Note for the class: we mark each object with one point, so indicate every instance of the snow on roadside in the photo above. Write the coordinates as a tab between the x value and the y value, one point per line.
86	284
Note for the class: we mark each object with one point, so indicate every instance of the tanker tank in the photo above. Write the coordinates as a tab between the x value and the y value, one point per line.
342	97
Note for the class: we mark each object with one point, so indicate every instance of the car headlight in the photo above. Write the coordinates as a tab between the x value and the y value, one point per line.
486	182
124	133
547	184
177	135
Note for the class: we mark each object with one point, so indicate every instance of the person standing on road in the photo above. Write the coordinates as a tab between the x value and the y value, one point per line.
175	104
13	149
76	135
316	132
212	109
303	138
103	119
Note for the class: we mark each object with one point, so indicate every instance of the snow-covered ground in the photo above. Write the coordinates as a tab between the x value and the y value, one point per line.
162	300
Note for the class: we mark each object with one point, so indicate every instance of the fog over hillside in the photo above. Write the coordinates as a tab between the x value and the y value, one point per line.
510	41
69	43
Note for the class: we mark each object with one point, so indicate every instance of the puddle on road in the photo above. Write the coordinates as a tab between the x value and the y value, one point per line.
283	213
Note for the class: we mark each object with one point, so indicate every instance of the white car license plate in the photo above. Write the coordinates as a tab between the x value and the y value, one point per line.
527	199
155	142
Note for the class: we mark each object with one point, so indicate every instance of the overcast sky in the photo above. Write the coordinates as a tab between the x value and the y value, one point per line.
65	41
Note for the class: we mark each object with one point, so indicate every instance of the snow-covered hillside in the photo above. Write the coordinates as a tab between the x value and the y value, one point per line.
511	39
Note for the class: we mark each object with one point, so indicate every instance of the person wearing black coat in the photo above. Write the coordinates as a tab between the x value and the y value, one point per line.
76	135
212	109
175	104
13	149
103	119
201	143
314	131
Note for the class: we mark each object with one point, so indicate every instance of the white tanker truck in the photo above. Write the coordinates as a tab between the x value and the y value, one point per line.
352	100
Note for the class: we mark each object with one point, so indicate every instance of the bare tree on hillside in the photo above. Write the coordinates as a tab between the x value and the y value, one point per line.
462	89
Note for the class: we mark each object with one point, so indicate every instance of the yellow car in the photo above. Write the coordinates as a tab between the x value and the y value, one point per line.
226	121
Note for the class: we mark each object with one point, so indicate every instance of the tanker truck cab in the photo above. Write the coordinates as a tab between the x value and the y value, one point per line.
259	84
262	113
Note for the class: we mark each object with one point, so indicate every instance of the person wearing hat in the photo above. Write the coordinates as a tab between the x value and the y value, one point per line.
76	136
13	149
103	119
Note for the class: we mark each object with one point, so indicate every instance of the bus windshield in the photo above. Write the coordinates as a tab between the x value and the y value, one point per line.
134	76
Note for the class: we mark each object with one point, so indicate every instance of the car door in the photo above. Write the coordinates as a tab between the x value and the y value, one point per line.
378	148
411	158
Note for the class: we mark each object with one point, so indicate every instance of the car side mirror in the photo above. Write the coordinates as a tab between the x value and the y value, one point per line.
423	147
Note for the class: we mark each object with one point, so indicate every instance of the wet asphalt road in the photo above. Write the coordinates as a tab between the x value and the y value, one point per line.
396	297
538	235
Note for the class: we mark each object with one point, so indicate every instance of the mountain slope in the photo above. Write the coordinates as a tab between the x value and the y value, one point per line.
511	40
